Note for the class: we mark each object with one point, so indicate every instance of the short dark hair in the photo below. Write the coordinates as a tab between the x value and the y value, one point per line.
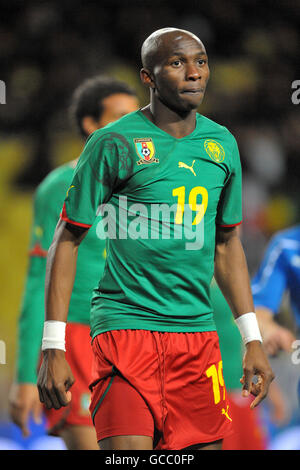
87	98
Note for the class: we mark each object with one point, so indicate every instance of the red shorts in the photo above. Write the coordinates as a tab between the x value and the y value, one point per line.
168	386
248	431
79	355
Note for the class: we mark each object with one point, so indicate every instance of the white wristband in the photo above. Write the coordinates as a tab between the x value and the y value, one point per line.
248	326
54	335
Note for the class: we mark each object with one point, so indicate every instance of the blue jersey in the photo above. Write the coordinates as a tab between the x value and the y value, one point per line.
280	272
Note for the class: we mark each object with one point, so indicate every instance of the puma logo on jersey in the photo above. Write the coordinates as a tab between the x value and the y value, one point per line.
184	165
225	412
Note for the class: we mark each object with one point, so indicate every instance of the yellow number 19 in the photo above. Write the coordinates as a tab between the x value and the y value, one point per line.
200	208
217	380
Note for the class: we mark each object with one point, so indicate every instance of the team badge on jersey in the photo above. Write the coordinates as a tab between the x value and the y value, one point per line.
214	150
146	151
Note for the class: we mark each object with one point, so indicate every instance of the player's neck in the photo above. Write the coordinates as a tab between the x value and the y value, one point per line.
169	121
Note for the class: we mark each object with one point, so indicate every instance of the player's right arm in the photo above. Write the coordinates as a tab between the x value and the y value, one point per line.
55	376
95	176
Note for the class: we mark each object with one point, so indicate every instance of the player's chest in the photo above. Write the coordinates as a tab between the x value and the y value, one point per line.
164	169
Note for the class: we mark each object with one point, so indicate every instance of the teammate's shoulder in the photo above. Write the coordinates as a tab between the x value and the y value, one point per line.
56	178
124	121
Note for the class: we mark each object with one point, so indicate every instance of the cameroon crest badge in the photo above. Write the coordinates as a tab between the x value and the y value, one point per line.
214	150
146	151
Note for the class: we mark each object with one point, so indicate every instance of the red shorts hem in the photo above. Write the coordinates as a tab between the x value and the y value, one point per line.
56	428
137	432
209	441
123	432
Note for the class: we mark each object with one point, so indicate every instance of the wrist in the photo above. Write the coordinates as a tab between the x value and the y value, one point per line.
253	343
52	353
248	327
54	336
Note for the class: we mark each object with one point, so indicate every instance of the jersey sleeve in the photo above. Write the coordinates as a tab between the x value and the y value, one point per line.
230	206
270	281
46	211
96	176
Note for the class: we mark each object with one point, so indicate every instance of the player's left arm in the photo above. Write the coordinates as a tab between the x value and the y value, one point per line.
231	273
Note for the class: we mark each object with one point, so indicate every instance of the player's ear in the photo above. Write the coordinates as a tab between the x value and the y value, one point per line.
147	78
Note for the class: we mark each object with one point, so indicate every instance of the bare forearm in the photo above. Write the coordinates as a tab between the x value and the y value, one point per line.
60	273
55	376
231	273
61	269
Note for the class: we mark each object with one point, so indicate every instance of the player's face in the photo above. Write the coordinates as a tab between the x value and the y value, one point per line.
115	106
182	74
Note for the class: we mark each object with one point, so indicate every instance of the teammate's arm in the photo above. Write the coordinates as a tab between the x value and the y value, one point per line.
23	397
55	376
231	273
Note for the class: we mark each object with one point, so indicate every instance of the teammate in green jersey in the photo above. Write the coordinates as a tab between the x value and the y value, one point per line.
95	103
168	184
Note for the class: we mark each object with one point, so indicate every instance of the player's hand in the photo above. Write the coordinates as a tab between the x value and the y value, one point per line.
23	400
256	363
55	379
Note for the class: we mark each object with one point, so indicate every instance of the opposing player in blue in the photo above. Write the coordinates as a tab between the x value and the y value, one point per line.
278	273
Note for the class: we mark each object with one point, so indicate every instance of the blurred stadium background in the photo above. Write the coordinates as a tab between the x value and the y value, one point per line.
49	47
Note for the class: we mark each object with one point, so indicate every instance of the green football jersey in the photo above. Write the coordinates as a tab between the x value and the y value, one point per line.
231	345
161	198
48	203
